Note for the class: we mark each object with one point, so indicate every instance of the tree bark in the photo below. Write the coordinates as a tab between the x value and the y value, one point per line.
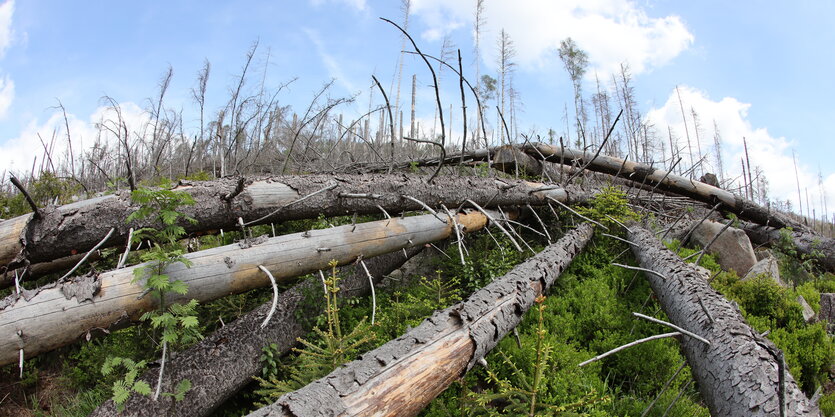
805	242
77	227
641	173
58	314
35	271
401	377
223	363
738	373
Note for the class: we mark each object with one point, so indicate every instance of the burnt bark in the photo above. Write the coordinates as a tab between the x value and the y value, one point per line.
805	242
77	227
737	373
223	363
641	173
60	313
401	377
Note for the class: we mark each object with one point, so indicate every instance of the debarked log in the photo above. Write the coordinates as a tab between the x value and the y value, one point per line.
401	377
55	315
77	227
665	181
738	374
224	362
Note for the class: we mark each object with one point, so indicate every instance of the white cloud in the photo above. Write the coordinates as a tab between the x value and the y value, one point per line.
610	31
772	154
6	95
6	12
17	155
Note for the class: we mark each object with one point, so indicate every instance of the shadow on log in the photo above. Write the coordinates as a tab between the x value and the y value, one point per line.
738	373
401	377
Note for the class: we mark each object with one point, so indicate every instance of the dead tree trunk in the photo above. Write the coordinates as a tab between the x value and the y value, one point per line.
401	377
223	363
738	372
58	314
38	270
641	173
805	242
77	227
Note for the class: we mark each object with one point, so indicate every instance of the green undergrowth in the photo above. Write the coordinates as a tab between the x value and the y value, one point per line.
769	307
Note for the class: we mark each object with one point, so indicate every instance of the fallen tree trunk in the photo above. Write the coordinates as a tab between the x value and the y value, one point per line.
35	271
738	373
77	227
809	244
665	181
223	363
52	316
401	377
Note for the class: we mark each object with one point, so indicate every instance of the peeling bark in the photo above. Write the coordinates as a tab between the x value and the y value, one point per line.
738	373
44	319
223	363
745	209
35	271
77	227
805	242
401	377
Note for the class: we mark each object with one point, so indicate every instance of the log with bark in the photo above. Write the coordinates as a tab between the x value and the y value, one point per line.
738	373
35	271
401	377
55	315
810	244
77	227
666	181
223	363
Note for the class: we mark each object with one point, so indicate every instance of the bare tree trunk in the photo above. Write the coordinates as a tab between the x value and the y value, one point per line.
738	372
401	377
223	363
77	227
58	314
744	208
805	242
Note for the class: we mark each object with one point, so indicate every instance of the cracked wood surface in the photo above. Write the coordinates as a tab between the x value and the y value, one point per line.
50	317
745	209
224	362
737	374
77	227
401	377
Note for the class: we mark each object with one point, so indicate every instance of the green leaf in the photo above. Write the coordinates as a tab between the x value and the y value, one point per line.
178	287
158	282
189	321
142	387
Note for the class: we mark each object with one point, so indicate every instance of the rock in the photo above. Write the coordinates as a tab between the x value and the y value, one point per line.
808	313
711	179
827	311
763	253
767	266
732	249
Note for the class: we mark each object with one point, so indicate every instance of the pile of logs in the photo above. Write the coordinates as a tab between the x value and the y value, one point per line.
738	371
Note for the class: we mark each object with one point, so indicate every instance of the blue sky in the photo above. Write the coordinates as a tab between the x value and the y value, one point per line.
763	70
